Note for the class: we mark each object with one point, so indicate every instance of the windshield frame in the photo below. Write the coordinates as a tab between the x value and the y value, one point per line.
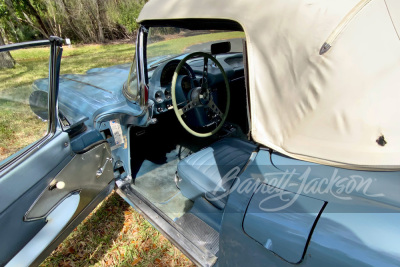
138	69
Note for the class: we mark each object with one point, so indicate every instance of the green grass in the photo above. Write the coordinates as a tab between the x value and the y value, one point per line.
116	235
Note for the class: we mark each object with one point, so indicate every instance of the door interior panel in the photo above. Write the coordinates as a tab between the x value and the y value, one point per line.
87	174
18	190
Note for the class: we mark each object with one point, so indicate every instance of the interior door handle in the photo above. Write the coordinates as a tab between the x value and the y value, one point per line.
101	170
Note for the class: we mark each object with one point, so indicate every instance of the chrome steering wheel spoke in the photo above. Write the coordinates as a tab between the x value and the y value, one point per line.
204	81
190	105
211	104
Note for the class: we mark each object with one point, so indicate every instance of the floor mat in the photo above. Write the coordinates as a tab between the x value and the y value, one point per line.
177	206
156	183
178	153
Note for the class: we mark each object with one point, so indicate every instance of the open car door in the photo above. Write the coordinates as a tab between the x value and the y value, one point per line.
46	188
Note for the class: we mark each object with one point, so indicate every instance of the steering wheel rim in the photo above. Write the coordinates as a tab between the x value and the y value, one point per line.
178	112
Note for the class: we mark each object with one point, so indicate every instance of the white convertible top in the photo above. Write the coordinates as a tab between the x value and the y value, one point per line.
324	75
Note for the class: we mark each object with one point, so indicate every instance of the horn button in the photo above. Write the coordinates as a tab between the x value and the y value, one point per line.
200	96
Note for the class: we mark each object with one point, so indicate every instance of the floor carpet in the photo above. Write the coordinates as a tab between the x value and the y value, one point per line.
156	183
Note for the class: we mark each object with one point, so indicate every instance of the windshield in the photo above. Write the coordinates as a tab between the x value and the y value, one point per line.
165	43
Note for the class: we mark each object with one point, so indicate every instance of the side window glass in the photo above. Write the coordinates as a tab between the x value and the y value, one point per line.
23	99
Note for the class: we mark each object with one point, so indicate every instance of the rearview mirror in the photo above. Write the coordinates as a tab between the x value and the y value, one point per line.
220	48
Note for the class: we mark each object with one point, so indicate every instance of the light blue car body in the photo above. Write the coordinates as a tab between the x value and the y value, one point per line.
328	226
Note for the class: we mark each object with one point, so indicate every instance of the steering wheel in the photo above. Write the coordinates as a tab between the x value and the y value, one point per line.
200	96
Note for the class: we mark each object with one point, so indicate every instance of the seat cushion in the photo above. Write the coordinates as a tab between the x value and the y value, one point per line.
211	171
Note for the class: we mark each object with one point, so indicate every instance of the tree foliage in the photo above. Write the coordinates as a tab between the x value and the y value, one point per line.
84	21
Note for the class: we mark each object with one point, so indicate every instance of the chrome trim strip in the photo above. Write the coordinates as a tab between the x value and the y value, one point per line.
141	64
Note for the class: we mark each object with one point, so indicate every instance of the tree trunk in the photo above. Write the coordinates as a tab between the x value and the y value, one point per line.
30	22
99	24
74	28
6	60
32	11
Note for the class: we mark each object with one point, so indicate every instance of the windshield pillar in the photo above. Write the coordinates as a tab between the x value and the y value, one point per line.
141	63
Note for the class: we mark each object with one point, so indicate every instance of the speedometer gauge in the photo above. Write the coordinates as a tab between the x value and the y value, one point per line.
159	96
168	72
186	86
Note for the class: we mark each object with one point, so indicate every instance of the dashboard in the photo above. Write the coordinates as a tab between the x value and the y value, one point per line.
190	76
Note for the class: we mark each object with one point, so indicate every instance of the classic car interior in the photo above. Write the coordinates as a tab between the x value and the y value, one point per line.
201	180
180	174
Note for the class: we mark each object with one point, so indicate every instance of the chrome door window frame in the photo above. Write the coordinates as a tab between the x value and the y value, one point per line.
55	44
141	65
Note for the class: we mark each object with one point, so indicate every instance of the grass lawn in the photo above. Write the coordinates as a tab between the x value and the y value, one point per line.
114	234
